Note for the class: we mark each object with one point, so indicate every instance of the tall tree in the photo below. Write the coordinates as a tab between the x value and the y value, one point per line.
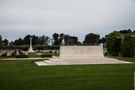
113	43
127	47
43	40
125	31
66	39
61	38
73	40
0	40
102	40
56	38
91	39
26	40
5	41
18	41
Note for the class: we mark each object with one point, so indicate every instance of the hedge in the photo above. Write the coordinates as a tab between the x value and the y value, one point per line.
21	56
26	47
46	55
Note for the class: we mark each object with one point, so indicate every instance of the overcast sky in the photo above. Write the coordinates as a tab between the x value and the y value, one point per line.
75	17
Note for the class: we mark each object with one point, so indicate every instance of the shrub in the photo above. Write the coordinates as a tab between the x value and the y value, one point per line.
21	56
26	47
41	47
50	51
46	55
3	55
32	55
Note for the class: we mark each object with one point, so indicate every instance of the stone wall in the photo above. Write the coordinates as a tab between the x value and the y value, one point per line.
81	51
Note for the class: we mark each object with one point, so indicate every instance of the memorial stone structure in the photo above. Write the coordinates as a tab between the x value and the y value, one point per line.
70	55
31	48
67	52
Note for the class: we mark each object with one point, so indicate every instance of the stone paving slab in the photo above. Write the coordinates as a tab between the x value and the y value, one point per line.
81	62
77	55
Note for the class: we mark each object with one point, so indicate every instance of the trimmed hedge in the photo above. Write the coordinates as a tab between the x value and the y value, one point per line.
14	47
33	55
41	47
26	47
21	56
46	55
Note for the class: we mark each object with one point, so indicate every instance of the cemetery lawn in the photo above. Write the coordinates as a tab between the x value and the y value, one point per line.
25	75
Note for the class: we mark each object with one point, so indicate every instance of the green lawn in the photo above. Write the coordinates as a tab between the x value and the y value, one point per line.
25	75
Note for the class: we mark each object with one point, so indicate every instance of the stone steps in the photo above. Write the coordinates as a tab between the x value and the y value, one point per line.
85	61
72	55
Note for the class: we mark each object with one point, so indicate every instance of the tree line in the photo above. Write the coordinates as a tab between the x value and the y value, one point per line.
117	43
56	39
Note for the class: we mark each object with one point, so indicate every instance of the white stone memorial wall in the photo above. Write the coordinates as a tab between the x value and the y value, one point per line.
81	51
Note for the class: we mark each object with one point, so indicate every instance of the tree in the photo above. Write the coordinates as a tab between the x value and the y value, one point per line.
125	31
35	40
0	40
73	40
91	39
26	40
66	39
113	43
56	38
102	40
61	38
5	41
127	48
43	40
11	43
18	41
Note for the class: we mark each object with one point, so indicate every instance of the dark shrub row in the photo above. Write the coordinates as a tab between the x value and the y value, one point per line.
26	47
21	56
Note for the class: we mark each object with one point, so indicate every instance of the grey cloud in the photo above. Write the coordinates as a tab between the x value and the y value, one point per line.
77	17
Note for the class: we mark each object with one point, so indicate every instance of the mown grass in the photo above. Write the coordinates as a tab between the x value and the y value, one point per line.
25	75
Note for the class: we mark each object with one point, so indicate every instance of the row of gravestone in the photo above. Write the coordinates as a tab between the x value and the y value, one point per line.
12	52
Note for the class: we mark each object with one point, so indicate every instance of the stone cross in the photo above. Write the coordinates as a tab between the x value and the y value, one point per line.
31	48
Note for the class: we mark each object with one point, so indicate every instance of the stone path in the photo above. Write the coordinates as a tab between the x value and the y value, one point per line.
23	58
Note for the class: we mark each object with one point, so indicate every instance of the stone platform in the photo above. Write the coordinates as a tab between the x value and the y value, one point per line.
75	55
